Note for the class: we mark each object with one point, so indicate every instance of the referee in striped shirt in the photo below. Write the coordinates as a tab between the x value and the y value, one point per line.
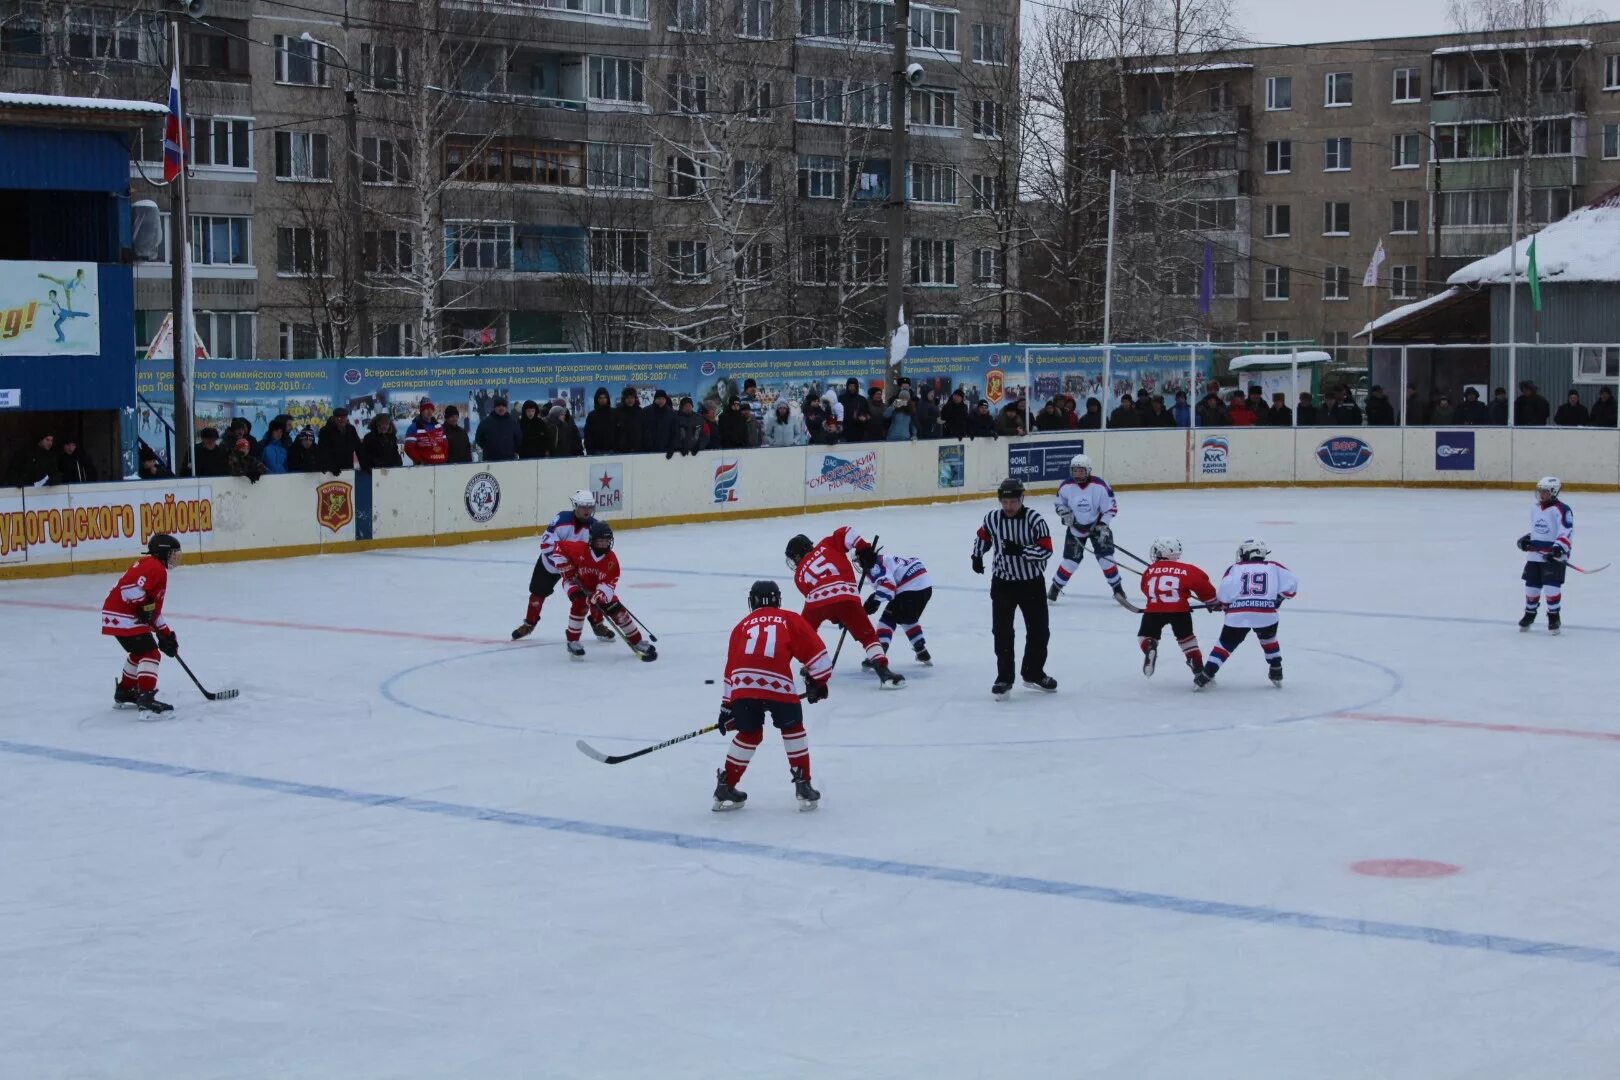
1018	539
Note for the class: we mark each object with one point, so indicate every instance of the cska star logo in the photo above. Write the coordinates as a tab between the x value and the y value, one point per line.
334	504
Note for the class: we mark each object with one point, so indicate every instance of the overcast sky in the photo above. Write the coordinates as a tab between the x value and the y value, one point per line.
1295	22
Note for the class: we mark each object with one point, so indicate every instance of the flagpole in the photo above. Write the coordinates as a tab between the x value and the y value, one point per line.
182	319
1108	269
1513	299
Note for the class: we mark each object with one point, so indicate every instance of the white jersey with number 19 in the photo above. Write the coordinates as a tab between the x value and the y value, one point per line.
1252	592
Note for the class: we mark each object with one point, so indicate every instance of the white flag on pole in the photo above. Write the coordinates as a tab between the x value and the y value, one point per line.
1370	278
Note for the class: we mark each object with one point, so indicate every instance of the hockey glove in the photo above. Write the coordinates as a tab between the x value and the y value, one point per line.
866	555
872	604
1556	554
1065	515
1102	540
1215	605
978	564
1012	549
612	609
577	593
814	690
146	613
168	643
1524	542
723	724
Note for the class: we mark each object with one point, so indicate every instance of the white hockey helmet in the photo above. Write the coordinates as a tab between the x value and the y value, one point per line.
583	500
1078	462
1165	547
1548	487
1252	550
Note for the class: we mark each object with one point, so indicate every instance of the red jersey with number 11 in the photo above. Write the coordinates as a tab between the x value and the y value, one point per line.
759	660
1170	586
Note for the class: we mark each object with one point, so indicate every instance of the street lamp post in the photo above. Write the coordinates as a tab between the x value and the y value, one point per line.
351	118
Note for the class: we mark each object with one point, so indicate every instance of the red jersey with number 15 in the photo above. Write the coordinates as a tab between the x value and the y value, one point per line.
826	573
1169	586
759	660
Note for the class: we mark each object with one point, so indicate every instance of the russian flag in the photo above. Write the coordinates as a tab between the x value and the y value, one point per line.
174	139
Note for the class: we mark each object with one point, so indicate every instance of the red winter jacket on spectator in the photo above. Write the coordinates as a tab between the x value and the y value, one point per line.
1239	414
426	444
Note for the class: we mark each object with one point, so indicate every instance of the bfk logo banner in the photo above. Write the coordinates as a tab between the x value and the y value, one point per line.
1454	450
1344	454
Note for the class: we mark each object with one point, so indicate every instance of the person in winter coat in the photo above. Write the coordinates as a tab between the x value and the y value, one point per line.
658	425
425	440
1211	413
782	428
531	432
602	424
1238	413
629	430
150	466
901	419
1472	412
242	429
1443	412
380	448
1499	407
1281	415
1530	409
981	424
1572	413
849	399
1603	409
1305	413
877	422
241	462
302	455
1050	418
1417	410
1158	415
455	437
73	467
1125	415
1092	418
210	457
35	464
1345	412
1257	406
734	426
562	434
500	435
1010	421
339	443
925	413
273	451
1380	410
688	434
831	433
953	416
1181	411
814	413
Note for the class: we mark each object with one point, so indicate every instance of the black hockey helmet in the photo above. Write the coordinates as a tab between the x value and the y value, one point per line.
1011	488
601	536
797	549
764	594
163	548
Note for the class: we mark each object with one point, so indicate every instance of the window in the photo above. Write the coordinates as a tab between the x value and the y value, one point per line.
688	16
1272	337
20	35
473	159
1611	72
384	161
1336	283
217	47
388	252
478	245
754	18
227	335
301	341
1455	142
933	183
1597	363
818	101
989	119
989	193
987	263
1225	278
933	262
869	259
1555	75
1408	86
219	241
689	93
818	260
1277	283
218	142
1548	205
752	98
1464	75
751	180
1279	93
1481	207
989	43
1336	155
756	262
1406	152
384	68
103	33
619	166
393	339
689	261
937	330
302	155
933	107
1279	219
1336	90
1403	216
616	79
1335	219
1218	97
624	9
868	104
1279	156
1611	141
819	177
1552	136
1403	282
684	177
300	62
860	20
300	250
621	252
933	28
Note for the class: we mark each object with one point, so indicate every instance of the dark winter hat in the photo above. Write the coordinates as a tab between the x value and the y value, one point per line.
852	381
306	432
340	411
660	394
556	412
1471	393
1181	395
750	384
500	403
209	433
685	401
451	410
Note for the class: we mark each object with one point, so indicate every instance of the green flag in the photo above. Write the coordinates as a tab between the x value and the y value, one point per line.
1534	274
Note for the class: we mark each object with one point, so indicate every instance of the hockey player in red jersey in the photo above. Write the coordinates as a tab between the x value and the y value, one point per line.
591	577
133	613
832	592
571	524
759	683
1169	585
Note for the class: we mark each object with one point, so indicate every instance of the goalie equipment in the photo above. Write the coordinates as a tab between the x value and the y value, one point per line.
1080	463
1548	487
1252	550
1165	547
797	549
764	594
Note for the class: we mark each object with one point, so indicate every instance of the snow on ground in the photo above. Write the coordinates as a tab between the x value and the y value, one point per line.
386	859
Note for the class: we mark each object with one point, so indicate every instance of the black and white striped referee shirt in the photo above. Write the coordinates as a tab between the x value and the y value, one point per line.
1026	527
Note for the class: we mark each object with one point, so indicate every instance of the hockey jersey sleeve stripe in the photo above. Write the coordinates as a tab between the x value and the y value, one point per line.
820	666
134	594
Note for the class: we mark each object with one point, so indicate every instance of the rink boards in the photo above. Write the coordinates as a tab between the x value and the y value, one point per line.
93	528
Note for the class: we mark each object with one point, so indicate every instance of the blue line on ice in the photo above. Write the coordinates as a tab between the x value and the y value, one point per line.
981	879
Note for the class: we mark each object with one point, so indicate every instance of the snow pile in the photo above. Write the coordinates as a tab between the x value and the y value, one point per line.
1585	246
1514	46
58	101
1397	314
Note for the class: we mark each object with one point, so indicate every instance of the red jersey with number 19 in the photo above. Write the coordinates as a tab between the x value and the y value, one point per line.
759	660
1171	586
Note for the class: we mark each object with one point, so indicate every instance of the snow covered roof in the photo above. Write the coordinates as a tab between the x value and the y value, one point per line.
1260	360
1510	46
1584	246
85	104
1395	315
1189	69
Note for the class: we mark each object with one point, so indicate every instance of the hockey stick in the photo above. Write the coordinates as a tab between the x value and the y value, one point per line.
222	695
843	632
1131	554
1595	570
637	620
614	759
619	631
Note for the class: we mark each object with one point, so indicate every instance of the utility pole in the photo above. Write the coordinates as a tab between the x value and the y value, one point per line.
1436	283
899	106
355	302
182	319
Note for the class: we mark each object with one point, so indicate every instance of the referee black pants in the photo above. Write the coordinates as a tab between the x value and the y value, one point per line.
1028	597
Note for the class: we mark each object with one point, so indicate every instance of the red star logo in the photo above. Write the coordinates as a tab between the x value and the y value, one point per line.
607	481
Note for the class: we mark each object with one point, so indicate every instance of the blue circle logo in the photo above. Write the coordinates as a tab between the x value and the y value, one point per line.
1345	454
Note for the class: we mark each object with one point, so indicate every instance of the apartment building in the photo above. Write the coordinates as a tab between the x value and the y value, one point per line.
1291	165
535	175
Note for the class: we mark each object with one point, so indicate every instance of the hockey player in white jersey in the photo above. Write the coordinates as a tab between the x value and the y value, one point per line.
1086	506
1547	546
1251	593
901	583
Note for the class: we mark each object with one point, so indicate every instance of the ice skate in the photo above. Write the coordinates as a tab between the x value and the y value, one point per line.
602	631
809	798
1202	679
646	651
522	630
924	659
1150	659
1053	593
1000	690
576	651
122	697
1528	621
1555	622
889	680
1042	682
1276	674
147	702
726	796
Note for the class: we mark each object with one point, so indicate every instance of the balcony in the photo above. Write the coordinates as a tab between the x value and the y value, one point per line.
1232	121
1492	106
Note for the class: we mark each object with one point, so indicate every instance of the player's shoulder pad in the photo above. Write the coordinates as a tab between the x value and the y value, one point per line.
1278	565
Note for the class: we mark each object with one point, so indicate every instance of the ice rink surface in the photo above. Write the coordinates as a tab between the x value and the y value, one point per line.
387	859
